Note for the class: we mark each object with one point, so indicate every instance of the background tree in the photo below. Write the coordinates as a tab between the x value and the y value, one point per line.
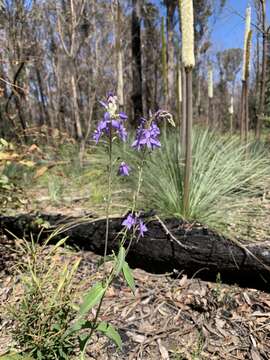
136	60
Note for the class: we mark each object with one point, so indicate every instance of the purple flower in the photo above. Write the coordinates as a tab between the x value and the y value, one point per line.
133	220
142	228
147	137
111	99
116	124
123	169
129	221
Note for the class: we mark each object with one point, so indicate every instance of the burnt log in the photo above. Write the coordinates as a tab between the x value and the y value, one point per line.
169	246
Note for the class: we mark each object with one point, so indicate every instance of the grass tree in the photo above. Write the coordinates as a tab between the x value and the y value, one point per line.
245	77
188	59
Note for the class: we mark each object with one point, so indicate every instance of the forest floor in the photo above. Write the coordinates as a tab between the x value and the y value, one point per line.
166	318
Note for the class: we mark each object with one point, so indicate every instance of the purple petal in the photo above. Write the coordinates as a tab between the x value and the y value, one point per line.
123	116
103	104
142	228
129	221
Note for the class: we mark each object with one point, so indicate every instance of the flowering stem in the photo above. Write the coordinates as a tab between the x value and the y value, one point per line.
109	196
135	199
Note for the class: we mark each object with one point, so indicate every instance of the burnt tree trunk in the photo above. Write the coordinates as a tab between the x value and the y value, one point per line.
166	247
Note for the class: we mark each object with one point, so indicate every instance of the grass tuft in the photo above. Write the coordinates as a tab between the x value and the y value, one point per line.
225	176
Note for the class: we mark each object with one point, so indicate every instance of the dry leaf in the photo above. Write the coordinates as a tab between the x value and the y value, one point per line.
7	156
40	171
163	351
255	354
136	337
183	280
27	163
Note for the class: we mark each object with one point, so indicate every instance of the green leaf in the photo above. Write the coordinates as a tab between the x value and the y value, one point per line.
92	298
111	333
15	356
120	260
83	339
79	325
128	276
107	259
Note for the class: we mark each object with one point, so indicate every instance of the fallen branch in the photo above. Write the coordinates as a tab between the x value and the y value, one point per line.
168	246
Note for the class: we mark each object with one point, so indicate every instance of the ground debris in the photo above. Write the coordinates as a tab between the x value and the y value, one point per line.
168	318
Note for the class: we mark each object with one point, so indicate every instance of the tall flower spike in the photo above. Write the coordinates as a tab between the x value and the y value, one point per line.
247	31
187	21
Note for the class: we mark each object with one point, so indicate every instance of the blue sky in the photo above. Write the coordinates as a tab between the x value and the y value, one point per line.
229	28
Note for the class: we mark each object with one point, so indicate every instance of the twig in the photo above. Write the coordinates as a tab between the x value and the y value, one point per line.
167	231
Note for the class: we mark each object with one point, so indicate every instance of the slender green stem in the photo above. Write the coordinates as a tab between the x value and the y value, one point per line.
109	195
135	200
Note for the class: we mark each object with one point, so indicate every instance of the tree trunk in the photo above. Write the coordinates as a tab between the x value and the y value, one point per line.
171	5
136	62
263	73
167	246
119	58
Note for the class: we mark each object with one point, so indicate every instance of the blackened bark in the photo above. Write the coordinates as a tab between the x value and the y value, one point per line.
178	247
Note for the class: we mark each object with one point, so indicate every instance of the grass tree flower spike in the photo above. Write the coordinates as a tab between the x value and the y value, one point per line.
231	109
247	31
210	82
187	21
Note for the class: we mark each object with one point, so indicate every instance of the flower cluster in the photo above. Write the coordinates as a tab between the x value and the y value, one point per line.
131	221
112	120
147	136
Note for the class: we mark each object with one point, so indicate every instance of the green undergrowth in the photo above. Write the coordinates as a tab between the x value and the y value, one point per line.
225	177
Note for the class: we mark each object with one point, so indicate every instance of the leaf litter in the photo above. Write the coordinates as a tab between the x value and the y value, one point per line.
166	318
